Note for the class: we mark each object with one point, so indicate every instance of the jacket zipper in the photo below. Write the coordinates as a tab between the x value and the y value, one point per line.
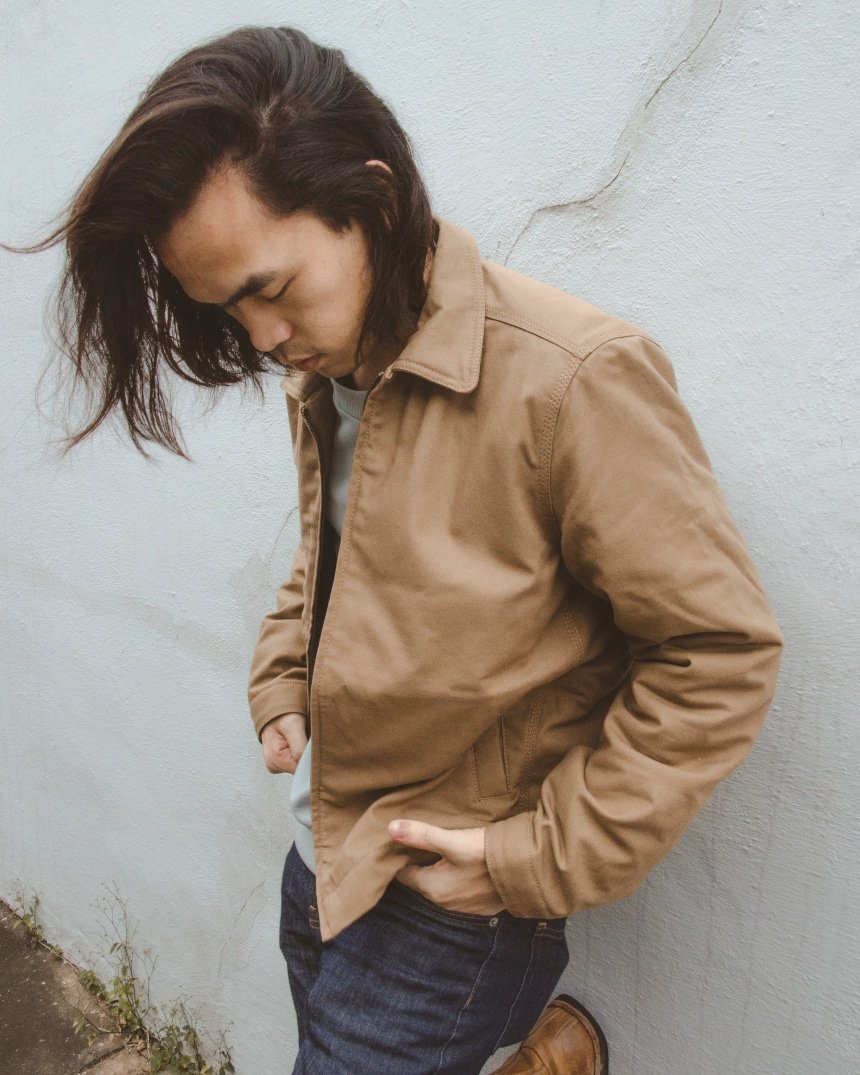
312	648
314	636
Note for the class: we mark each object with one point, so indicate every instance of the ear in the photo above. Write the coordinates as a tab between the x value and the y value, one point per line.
389	215
379	164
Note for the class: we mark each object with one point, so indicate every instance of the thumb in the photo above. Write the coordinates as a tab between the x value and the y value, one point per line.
297	739
446	842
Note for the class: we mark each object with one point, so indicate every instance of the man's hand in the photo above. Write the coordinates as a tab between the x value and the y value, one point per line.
284	741
460	880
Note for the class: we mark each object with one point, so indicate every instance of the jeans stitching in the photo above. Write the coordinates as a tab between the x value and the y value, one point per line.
467	1002
525	979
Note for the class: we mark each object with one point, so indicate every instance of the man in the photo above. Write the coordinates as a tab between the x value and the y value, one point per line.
521	640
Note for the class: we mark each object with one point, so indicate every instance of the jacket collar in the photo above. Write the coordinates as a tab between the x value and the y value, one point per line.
446	347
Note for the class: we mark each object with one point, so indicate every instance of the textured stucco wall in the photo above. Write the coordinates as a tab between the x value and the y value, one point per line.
692	166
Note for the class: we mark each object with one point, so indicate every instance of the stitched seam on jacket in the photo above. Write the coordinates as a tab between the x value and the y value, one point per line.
534	328
504	759
531	746
574	633
547	440
581	349
537	881
505	769
475	778
546	481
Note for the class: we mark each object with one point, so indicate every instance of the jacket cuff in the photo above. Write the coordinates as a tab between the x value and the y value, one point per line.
289	697
508	846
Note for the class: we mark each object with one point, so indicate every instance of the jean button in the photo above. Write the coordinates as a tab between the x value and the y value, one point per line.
494	921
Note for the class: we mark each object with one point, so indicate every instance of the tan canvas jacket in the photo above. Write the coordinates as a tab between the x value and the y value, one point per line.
542	618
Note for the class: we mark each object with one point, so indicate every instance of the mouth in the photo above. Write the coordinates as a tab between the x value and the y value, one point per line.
306	364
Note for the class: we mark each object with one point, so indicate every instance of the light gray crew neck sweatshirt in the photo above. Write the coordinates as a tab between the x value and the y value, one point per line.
349	404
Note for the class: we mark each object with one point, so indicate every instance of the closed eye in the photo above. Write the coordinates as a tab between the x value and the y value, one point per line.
254	287
280	294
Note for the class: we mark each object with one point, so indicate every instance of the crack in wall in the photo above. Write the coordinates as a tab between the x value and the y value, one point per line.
267	560
231	934
628	136
687	58
182	632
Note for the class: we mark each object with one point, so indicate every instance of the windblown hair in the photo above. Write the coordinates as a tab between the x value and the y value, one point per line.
300	124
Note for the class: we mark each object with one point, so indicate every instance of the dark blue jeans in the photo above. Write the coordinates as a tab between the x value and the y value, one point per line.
412	988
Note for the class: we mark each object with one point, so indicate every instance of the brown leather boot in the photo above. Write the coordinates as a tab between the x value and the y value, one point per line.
564	1041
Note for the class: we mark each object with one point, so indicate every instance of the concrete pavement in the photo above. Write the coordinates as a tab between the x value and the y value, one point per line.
40	996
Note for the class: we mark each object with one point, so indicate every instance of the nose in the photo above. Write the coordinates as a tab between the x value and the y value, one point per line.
267	329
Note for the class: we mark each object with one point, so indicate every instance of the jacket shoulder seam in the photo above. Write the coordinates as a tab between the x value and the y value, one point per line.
559	391
547	440
600	340
534	328
615	328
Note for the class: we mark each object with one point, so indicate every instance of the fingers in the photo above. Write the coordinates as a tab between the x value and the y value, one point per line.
457	845
410	876
296	734
284	741
420	834
466	888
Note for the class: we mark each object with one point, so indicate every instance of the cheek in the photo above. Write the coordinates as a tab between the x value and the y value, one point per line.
330	315
358	296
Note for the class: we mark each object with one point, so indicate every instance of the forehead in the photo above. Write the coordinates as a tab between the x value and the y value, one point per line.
228	235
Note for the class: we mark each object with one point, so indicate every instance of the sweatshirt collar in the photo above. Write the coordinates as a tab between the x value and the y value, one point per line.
446	347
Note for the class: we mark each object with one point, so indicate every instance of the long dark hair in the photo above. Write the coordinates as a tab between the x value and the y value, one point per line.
300	124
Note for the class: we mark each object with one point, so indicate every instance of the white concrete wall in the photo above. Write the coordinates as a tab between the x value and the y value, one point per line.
690	165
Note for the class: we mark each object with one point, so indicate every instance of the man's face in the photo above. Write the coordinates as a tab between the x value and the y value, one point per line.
298	288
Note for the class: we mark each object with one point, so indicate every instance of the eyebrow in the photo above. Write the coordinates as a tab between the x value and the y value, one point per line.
252	285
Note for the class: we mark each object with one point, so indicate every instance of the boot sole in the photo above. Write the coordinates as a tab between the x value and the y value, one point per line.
595	1026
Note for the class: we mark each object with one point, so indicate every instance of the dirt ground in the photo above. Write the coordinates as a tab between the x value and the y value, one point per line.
40	996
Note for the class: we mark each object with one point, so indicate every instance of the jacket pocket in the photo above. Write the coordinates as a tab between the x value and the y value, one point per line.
489	757
503	757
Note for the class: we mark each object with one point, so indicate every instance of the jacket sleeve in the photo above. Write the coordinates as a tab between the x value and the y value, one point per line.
278	681
642	524
278	676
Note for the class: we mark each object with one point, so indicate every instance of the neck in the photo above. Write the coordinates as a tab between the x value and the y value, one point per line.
362	377
381	356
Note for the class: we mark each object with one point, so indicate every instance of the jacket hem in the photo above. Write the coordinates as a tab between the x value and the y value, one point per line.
286	698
